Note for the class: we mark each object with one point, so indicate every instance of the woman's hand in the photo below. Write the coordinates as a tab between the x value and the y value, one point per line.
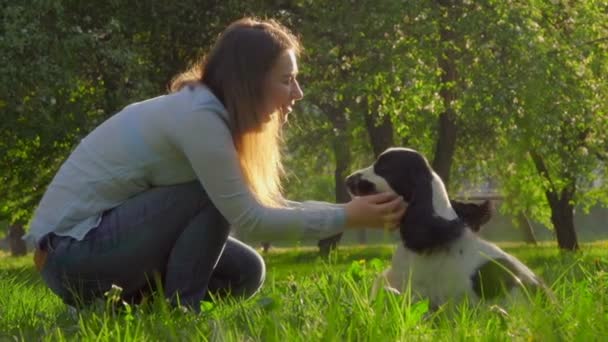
383	210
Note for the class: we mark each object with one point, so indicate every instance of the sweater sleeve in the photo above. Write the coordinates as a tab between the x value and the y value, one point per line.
206	142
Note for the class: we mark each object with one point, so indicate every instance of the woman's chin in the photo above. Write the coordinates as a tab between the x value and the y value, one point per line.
282	114
285	113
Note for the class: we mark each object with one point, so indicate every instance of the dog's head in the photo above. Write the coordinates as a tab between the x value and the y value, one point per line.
430	221
399	170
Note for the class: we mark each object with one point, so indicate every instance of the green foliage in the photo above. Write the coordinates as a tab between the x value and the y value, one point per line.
69	65
530	78
556	109
75	74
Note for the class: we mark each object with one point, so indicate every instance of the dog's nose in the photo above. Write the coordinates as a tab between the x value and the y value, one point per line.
353	180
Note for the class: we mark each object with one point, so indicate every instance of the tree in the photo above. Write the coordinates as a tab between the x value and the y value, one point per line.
351	77
466	83
550	110
77	63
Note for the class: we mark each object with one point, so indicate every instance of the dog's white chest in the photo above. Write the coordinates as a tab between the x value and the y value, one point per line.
438	277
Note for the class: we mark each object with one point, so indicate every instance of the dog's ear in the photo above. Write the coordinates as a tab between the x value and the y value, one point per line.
422	230
404	170
474	215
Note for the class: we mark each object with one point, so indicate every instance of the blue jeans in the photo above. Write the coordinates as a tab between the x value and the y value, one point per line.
171	234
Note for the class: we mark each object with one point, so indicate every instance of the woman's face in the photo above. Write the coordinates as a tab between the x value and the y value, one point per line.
281	86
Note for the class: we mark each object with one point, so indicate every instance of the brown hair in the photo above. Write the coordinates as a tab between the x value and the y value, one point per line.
235	71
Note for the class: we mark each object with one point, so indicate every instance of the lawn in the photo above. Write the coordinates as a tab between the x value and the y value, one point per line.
306	298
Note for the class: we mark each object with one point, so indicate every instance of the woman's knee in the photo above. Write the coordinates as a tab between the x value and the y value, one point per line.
257	268
253	272
241	271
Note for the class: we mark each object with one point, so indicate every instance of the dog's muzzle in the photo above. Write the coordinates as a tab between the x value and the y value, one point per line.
358	186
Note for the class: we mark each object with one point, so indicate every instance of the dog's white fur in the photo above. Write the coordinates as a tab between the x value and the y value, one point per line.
443	274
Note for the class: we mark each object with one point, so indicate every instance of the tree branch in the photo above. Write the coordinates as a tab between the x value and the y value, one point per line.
542	168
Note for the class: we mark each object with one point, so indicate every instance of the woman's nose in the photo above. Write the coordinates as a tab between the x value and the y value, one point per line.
296	91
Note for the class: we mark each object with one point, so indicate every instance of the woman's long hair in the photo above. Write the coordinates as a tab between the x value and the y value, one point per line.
235	70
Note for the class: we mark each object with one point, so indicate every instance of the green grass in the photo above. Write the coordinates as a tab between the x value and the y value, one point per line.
308	299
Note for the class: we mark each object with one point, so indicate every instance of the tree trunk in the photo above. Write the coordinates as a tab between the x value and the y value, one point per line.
562	217
524	223
380	131
562	209
446	145
15	242
342	154
446	142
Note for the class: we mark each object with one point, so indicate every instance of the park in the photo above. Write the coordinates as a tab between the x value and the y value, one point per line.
506	99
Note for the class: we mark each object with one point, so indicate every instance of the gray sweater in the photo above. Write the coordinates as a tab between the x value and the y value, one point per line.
168	140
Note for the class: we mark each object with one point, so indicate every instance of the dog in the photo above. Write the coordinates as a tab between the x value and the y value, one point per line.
440	257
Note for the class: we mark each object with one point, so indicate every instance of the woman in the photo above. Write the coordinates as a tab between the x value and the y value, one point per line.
155	189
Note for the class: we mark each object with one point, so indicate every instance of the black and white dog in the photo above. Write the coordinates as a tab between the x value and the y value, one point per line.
441	257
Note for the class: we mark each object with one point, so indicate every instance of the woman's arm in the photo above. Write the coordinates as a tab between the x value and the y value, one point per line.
206	142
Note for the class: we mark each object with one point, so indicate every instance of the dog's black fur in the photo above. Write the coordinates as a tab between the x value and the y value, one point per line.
441	255
410	176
